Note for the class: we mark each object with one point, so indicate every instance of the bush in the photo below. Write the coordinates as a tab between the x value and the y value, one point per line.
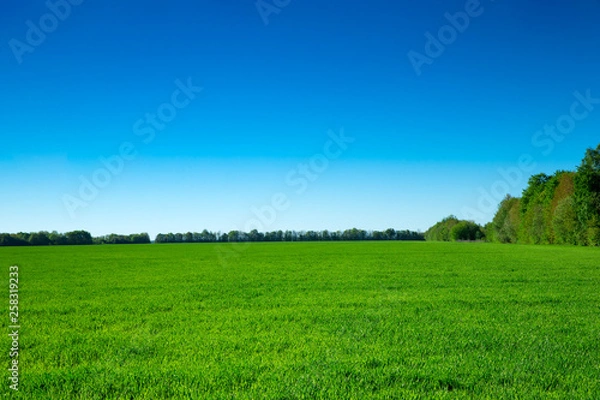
466	230
453	229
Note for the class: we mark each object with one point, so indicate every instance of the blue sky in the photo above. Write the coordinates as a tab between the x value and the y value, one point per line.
424	146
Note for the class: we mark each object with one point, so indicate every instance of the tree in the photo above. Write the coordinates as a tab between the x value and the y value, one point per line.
78	238
535	185
207	236
505	225
39	239
57	239
390	234
233	236
255	236
441	230
587	198
565	222
6	239
140	238
377	235
466	230
563	208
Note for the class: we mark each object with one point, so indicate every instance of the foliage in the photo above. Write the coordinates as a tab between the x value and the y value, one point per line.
7	239
440	232
136	238
453	229
288	236
505	225
466	231
587	197
563	208
45	238
565	221
70	238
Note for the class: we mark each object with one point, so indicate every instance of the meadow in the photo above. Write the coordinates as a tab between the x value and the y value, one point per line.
337	320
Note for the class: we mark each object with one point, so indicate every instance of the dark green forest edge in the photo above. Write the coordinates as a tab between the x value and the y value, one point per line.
85	238
563	208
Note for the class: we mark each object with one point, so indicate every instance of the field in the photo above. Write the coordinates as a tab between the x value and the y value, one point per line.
355	320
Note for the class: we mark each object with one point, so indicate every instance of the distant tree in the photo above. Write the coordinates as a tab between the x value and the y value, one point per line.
255	236
140	238
376	235
390	234
565	222
441	230
534	203
562	208
311	236
79	238
466	230
288	236
233	236
6	239
207	236
57	239
535	185
587	198
39	239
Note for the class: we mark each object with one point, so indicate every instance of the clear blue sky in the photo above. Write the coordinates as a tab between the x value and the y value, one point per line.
424	145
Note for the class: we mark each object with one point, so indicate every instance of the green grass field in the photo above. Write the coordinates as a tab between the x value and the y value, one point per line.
362	320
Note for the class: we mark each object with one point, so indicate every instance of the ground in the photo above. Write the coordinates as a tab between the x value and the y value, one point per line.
348	320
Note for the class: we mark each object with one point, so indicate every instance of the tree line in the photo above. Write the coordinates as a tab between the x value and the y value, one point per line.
562	208
287	236
134	238
44	238
85	238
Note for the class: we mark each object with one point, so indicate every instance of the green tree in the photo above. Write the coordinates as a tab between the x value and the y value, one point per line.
587	198
466	230
39	239
505	225
441	230
565	222
78	238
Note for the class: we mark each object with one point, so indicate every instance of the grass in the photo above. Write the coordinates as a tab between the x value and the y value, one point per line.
359	320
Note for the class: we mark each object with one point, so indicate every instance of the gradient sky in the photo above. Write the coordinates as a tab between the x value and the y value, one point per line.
424	146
